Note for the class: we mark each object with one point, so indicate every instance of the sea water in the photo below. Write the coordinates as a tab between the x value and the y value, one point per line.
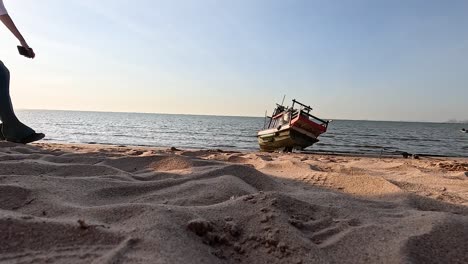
239	133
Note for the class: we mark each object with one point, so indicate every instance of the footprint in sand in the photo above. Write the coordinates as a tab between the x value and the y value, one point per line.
317	223
325	231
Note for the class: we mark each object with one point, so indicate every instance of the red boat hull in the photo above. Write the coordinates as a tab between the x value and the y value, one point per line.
303	122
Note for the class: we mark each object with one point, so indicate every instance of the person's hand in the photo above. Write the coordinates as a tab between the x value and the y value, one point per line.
29	49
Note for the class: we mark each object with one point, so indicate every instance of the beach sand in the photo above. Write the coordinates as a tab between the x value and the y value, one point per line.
109	204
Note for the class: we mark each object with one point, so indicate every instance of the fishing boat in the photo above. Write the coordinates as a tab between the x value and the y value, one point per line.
291	128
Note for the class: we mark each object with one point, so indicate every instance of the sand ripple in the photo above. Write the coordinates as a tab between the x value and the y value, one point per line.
103	204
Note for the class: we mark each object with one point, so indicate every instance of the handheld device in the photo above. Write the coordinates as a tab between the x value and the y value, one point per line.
25	52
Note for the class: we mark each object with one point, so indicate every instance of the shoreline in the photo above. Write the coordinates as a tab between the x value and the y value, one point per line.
78	203
395	154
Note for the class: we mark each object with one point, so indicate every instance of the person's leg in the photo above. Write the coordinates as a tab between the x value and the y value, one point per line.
12	129
1	133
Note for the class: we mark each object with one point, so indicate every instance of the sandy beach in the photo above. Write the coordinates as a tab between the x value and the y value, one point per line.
109	204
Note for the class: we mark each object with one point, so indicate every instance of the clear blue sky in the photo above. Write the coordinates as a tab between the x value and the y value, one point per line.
351	59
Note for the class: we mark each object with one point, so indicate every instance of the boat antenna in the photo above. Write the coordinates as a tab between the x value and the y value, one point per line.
284	97
264	121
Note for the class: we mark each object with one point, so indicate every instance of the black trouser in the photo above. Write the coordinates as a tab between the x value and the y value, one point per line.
12	127
6	108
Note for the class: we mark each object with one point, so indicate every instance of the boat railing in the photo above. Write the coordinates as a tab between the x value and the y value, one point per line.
306	111
317	120
307	108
